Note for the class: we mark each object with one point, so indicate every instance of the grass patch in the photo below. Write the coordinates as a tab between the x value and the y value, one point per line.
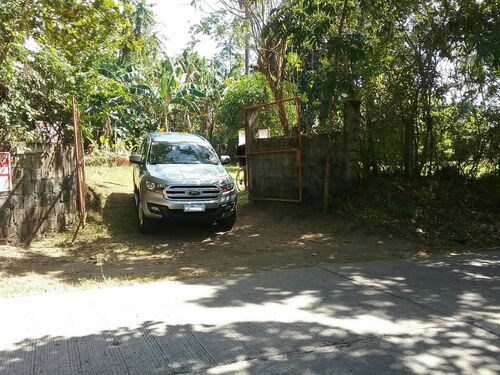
232	169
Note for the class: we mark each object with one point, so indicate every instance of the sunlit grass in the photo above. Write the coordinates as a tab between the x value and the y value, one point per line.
232	169
106	180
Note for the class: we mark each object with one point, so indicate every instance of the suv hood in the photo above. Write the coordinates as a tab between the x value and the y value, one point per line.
187	174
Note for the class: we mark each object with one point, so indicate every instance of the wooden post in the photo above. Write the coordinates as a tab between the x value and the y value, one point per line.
80	166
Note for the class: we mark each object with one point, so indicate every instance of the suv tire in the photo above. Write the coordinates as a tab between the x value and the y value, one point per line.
145	224
227	223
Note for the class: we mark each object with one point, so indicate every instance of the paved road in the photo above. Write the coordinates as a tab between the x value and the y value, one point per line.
437	315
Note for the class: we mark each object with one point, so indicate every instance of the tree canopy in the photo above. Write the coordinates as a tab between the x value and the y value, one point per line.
426	74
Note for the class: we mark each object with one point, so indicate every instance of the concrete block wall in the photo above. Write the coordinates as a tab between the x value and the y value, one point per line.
43	196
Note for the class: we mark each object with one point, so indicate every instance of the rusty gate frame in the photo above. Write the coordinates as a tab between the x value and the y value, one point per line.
297	150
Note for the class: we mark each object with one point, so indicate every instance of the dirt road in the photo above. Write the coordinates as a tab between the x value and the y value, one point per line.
111	251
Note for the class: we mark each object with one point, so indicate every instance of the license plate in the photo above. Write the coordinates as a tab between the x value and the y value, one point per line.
194	208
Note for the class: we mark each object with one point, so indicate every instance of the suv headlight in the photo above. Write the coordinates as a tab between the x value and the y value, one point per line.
227	186
153	186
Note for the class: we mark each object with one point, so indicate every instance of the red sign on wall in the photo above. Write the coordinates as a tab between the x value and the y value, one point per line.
5	172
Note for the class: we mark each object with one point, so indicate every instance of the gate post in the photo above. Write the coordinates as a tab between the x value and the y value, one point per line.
352	154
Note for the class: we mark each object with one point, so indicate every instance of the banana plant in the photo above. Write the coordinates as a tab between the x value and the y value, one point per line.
175	88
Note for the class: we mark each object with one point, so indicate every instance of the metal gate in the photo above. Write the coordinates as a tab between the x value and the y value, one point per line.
274	165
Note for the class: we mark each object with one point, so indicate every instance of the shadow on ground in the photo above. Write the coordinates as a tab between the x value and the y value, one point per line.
287	350
265	237
329	323
119	214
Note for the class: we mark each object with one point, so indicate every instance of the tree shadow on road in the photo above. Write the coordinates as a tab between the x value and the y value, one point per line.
436	315
252	348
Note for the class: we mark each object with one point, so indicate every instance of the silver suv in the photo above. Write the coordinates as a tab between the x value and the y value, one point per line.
179	177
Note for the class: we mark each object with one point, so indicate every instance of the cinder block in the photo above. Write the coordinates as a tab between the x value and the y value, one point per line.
35	174
4	202
36	163
5	217
29	202
28	188
39	186
18	174
61	222
26	230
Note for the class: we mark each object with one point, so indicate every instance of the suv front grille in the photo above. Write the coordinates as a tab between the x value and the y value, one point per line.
195	192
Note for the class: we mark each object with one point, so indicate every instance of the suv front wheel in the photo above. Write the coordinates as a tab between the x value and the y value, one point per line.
227	223
146	225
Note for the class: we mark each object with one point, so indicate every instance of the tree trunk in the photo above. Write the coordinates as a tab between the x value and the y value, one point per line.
371	163
210	124
165	122
210	132
409	140
329	161
166	105
371	156
331	109
247	57
188	118
428	141
278	96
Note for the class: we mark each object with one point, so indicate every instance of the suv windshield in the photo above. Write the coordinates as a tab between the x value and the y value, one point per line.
181	153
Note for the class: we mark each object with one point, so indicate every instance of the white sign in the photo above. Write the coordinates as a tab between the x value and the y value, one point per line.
5	172
261	133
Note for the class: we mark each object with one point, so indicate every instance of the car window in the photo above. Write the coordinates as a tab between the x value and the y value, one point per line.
181	153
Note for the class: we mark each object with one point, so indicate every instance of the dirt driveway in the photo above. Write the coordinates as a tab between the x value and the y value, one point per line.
111	251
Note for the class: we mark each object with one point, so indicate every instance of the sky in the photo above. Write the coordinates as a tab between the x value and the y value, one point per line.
174	18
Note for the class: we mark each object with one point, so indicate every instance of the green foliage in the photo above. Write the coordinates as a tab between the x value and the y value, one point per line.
427	83
426	74
50	51
445	210
244	92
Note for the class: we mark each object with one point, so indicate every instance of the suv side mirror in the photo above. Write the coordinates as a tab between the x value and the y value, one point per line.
224	159
135	159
